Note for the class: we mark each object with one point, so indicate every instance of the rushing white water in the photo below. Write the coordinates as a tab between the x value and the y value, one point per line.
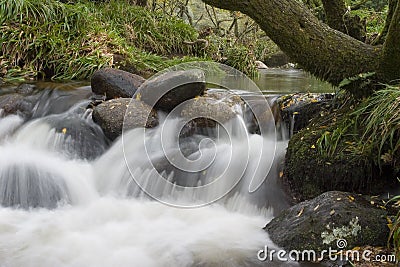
61	210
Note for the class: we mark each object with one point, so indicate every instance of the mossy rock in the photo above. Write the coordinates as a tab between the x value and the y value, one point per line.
309	172
319	224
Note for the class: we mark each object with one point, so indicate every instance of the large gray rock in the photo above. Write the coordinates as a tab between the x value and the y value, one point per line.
114	83
110	116
16	104
319	223
206	112
170	89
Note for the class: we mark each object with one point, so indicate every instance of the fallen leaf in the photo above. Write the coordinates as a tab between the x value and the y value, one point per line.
313	146
280	174
316	207
301	212
332	212
351	198
64	130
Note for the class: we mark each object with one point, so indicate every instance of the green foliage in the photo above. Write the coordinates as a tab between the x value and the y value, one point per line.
379	117
371	129
375	19
239	57
70	41
362	79
151	31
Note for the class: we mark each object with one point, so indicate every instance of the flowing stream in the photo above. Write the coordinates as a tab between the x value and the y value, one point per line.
68	198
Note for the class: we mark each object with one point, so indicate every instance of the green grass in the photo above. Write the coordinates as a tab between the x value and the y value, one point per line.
372	129
64	41
50	39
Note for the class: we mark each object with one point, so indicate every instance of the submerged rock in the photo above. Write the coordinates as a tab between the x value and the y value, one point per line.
114	83
110	116
16	104
25	89
207	112
81	138
320	223
25	186
170	89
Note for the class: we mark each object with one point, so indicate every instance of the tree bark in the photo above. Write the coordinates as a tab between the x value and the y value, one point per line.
390	62
339	18
382	35
335	11
328	54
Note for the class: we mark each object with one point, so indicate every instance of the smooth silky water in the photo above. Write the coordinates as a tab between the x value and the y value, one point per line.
68	197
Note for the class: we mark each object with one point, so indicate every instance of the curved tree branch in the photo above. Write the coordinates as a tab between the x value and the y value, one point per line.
328	54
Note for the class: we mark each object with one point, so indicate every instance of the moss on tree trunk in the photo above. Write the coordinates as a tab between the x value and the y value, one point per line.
328	54
389	68
339	18
382	35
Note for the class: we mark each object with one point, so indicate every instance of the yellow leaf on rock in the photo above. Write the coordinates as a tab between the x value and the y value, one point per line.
332	212
280	174
313	146
301	212
138	96
64	130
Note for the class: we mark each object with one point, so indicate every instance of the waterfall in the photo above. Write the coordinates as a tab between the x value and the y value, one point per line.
68	198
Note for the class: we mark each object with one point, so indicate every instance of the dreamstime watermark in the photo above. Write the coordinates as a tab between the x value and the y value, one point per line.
340	253
239	158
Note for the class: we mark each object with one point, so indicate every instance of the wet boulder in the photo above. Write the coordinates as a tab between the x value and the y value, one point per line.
168	90
114	83
25	89
16	104
77	137
207	112
299	109
110	116
330	220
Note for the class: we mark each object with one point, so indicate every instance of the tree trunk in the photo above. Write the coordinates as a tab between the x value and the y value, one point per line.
339	18
335	11
382	35
390	61
328	54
